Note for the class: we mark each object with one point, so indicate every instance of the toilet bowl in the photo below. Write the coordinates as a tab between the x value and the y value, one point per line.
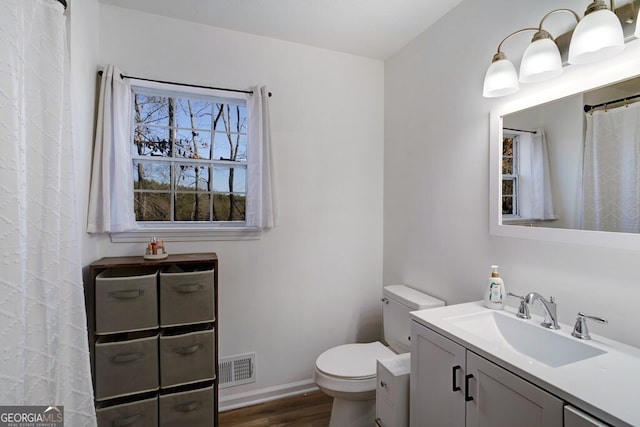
348	372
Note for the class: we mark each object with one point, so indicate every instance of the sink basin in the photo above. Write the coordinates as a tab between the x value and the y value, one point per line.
526	337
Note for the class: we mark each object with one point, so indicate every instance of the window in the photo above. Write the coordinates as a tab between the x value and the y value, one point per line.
510	175
189	156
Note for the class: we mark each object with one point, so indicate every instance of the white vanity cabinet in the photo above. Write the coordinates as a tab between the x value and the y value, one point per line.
452	386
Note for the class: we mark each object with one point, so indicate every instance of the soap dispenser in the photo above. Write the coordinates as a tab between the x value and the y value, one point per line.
495	293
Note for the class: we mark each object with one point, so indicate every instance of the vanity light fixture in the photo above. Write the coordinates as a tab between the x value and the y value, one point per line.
541	59
501	78
597	36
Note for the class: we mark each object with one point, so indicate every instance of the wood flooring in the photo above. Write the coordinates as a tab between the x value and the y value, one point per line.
307	410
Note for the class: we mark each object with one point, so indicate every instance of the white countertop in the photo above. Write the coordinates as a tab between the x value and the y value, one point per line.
606	386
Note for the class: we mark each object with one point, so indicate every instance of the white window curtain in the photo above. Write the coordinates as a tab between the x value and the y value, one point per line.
44	356
111	195
541	194
261	209
610	179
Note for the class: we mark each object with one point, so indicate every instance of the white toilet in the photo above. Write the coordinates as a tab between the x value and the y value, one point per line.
348	372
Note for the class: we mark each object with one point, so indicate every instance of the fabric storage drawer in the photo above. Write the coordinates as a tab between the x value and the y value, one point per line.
126	300
142	413
126	367
186	358
186	297
190	408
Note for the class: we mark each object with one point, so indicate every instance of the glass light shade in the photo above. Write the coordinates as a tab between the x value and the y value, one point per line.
540	61
501	79
597	36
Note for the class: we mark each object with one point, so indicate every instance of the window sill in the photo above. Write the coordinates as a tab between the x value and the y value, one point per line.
526	221
194	234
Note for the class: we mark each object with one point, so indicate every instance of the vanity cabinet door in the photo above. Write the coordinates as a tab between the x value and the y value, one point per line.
501	399
437	380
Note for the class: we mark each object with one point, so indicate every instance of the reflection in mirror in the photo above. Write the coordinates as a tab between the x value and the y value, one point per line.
574	163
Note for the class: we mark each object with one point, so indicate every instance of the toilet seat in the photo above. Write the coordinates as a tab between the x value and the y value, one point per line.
352	361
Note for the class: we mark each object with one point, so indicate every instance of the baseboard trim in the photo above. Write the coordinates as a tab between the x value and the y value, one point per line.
241	400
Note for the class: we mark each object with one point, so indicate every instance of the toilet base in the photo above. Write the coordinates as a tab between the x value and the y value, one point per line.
353	413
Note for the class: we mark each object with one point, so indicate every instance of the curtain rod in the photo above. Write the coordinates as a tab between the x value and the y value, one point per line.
588	108
521	130
184	84
63	2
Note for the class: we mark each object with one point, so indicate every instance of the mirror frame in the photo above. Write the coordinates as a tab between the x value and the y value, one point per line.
574	79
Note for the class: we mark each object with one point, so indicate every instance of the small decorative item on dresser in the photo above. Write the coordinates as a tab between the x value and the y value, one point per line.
155	250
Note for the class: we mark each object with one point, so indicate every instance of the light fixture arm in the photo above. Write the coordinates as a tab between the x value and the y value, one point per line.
569	11
499	54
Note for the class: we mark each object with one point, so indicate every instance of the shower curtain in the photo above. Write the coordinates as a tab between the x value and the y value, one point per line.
610	180
44	358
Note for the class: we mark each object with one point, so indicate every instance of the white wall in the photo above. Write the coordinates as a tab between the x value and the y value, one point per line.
436	210
83	18
314	281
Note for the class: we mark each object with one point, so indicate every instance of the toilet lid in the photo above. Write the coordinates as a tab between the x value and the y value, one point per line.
353	360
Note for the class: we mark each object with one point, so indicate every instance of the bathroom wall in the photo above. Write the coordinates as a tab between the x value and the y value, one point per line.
436	201
314	281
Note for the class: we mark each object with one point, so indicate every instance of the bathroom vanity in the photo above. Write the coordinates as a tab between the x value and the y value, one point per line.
471	366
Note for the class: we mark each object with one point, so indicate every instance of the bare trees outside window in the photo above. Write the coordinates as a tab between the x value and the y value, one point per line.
189	158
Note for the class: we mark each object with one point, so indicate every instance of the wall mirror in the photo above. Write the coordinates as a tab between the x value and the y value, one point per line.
559	173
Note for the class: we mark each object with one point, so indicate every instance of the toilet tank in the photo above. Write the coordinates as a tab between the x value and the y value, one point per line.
398	301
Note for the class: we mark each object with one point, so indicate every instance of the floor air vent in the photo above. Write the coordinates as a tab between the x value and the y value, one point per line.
236	370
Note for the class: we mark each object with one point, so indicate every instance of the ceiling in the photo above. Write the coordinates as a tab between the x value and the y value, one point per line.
371	28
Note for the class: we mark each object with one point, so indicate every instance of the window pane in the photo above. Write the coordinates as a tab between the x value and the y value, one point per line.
507	187
507	146
151	141
193	114
152	206
193	144
230	147
507	166
507	205
230	118
229	179
192	207
151	110
192	177
151	176
229	207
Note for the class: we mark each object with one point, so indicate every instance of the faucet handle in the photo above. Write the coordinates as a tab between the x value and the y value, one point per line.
580	329
523	309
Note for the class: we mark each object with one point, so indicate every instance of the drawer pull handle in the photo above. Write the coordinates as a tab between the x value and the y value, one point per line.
454	385
127	357
122	422
188	288
467	396
135	293
188	407
188	349
383	384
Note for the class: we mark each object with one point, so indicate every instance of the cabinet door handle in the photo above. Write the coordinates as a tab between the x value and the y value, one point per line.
454	371
188	349
379	422
122	422
467	397
188	407
127	357
134	293
188	288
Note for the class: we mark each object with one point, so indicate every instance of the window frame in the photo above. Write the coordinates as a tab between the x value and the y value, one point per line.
514	176
185	230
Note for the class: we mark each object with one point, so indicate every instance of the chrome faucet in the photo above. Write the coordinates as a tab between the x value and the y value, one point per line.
550	316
